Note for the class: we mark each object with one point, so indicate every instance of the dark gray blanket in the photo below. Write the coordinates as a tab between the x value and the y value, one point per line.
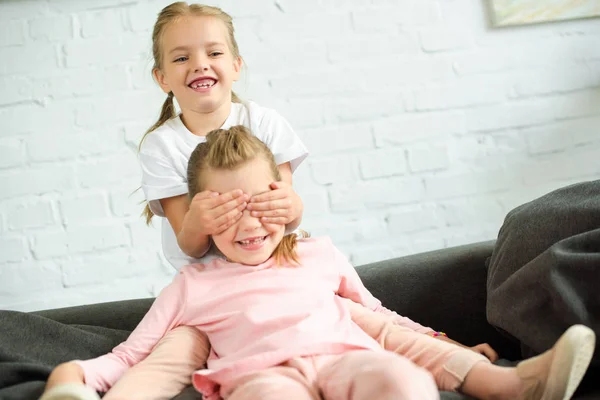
544	273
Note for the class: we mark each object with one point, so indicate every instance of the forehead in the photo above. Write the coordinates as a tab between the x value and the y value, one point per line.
252	177
191	30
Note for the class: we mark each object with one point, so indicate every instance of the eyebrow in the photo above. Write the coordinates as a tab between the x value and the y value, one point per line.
209	44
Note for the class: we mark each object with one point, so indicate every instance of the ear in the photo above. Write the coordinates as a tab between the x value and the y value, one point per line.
237	68
161	80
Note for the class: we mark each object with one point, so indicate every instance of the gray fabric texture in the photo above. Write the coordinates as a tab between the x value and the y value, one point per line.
544	273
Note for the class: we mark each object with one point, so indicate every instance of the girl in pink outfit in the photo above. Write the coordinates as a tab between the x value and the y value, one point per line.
277	316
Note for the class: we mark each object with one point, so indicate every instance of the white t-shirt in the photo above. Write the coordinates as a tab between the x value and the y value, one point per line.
165	153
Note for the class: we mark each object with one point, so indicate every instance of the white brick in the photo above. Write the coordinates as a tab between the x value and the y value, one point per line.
117	108
316	202
365	107
102	23
447	186
49	244
30	215
127	202
374	194
94	269
382	163
84	208
340	169
562	167
482	61
36	181
517	114
372	48
29	59
550	80
409	219
140	17
292	27
584	131
82	143
424	241
548	138
37	277
337	139
463	92
433	40
54	117
572	105
146	238
51	29
134	132
97	237
271	57
371	254
119	168
141	76
12	153
66	6
12	33
21	9
357	230
417	13
428	157
15	89
80	82
93	52
417	127
13	249
471	212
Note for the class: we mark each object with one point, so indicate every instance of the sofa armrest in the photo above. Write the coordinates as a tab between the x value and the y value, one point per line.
444	289
123	315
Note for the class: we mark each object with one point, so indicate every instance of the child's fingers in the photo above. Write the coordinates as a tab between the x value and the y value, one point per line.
269	196
226	220
227	197
271	205
236	203
274	220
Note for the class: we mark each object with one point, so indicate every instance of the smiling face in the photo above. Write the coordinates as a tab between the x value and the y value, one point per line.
248	241
198	64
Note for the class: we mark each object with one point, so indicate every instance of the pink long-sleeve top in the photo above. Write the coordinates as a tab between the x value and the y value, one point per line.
255	317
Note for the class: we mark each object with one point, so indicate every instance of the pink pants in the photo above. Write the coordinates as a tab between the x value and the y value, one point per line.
168	369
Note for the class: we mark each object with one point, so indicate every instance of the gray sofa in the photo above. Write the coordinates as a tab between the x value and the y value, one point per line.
444	289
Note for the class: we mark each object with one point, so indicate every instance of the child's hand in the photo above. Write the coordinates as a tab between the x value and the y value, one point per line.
279	206
486	350
211	213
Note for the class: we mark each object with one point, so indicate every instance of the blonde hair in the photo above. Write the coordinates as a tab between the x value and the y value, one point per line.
228	149
168	15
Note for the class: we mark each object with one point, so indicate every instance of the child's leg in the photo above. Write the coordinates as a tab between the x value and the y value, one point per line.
381	375
277	383
448	363
167	370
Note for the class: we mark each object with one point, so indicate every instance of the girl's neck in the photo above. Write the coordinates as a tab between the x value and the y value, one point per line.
200	124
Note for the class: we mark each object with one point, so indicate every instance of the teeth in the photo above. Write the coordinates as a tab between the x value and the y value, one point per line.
246	242
202	85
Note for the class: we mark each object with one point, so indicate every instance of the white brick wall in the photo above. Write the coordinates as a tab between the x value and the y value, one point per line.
425	127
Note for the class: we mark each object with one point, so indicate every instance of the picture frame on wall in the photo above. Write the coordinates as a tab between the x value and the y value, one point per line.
523	12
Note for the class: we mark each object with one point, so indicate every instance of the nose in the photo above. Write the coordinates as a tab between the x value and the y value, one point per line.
248	223
201	64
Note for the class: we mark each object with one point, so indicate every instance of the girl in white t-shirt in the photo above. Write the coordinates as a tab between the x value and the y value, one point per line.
196	61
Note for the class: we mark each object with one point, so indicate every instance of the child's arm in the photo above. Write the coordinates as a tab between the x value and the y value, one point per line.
351	287
102	372
282	205
208	213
